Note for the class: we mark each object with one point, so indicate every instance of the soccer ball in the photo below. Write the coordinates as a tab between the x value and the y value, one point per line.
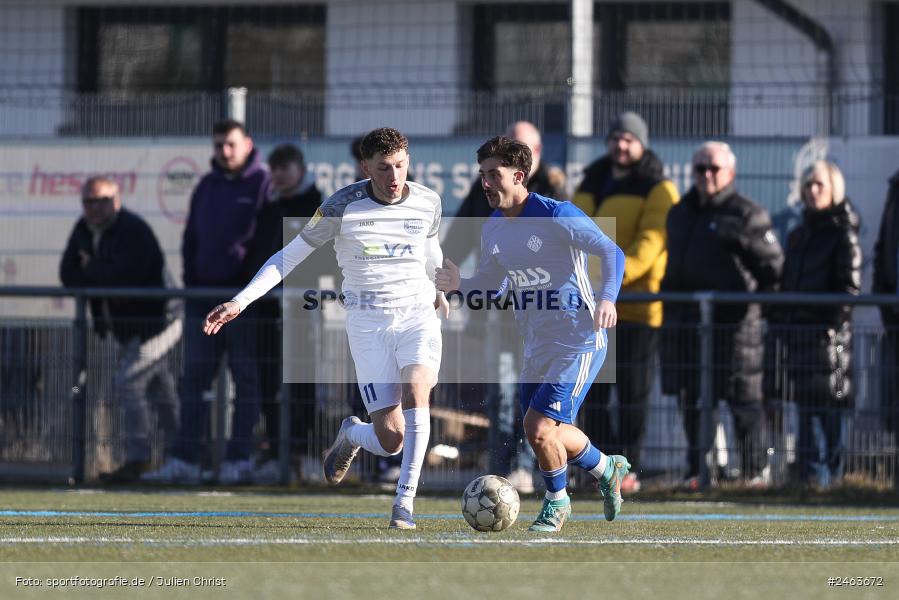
490	503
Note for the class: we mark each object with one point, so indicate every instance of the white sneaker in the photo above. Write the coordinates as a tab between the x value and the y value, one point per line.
761	481
236	472
174	470
522	480
269	473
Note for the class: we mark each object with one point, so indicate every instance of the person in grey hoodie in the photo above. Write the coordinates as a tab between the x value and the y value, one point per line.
222	220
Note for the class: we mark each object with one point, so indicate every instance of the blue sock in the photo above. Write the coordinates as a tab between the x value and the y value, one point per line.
555	483
588	458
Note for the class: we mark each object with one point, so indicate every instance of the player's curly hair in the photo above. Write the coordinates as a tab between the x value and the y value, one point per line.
509	152
385	140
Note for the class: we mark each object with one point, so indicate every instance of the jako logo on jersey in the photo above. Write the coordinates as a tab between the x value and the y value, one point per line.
387	250
535	243
413	226
365	224
528	277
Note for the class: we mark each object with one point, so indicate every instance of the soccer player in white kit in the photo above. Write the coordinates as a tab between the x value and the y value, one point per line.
385	235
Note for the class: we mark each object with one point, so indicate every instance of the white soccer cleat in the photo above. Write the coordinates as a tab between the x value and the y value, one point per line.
401	518
338	458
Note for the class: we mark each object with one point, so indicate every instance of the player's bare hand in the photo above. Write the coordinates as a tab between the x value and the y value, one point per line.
605	317
441	305
218	316
448	278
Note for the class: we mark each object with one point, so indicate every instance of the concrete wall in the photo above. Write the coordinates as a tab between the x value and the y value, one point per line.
407	63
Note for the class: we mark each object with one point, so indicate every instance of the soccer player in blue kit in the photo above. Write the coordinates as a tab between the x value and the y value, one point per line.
537	246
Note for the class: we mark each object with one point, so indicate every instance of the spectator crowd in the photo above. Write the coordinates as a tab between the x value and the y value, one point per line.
710	238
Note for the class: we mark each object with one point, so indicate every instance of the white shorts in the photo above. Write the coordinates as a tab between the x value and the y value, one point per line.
385	341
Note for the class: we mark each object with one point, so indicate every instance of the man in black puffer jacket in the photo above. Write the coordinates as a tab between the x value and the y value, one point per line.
111	246
719	240
886	281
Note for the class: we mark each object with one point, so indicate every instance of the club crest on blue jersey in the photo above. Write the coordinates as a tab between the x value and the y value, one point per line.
535	243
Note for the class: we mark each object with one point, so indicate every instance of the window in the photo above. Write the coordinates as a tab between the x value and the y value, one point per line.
521	62
195	48
668	60
126	54
146	58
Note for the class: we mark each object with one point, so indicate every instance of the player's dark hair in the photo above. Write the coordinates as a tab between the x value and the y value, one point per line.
509	152
385	141
226	126
356	148
284	155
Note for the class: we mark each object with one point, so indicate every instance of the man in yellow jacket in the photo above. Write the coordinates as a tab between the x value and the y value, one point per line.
628	185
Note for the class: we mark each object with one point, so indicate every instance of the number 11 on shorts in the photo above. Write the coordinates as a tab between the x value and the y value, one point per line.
369	391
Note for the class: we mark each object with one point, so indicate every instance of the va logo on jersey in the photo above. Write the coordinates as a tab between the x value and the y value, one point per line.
535	243
529	277
386	250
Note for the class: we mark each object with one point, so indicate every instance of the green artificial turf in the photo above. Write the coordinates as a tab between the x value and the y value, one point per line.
339	545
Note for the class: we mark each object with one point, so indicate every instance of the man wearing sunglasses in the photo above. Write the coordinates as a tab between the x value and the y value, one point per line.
111	246
721	241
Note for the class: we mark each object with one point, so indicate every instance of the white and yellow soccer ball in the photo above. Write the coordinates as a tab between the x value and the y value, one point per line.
490	503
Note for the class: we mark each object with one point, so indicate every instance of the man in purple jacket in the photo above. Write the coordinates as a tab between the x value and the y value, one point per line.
221	222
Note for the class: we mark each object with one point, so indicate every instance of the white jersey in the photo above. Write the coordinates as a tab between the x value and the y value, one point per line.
380	247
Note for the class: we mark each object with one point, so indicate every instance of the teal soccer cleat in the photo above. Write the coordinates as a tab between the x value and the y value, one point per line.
552	516
610	485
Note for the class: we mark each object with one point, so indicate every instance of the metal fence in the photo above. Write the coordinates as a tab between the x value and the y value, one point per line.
62	420
693	68
668	113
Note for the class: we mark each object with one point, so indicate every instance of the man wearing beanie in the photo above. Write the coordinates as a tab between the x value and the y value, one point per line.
627	185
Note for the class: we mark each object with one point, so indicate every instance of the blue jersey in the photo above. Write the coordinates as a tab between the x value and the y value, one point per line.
541	257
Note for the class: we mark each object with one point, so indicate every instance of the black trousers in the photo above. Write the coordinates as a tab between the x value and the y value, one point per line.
635	351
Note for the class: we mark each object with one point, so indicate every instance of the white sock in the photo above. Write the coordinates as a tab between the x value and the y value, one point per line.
415	446
363	434
560	495
600	468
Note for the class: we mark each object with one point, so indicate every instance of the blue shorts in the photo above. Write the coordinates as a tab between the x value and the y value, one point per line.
556	385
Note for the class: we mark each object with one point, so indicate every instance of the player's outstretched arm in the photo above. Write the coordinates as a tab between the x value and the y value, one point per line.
218	316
